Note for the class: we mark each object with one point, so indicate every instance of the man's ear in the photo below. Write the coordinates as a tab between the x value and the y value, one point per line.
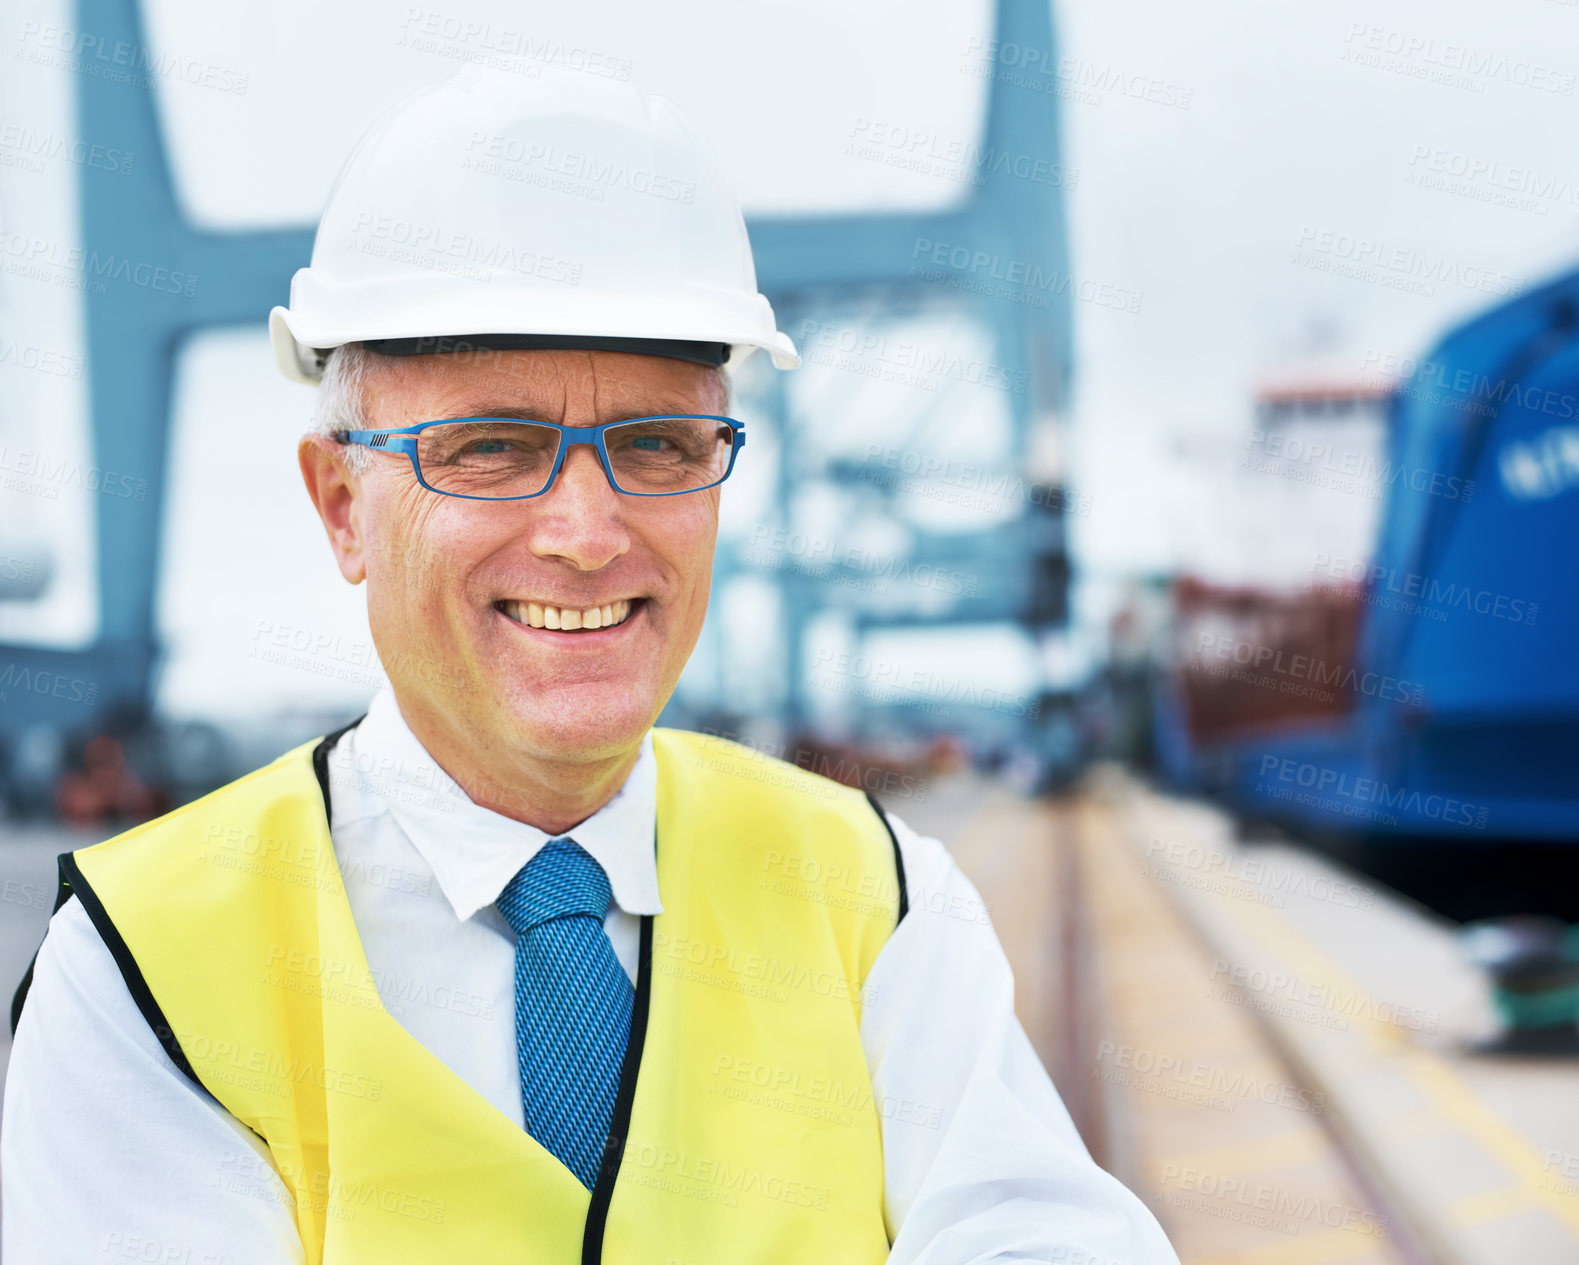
337	496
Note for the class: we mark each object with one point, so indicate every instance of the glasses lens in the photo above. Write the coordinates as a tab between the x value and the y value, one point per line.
668	454
494	459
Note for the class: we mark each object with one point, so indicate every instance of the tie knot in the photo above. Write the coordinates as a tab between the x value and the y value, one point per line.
561	881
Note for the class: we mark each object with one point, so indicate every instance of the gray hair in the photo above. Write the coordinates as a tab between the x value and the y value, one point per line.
342	403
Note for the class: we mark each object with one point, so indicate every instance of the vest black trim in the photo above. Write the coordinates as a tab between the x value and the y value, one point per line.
321	765
899	860
619	1126
135	983
73	884
62	895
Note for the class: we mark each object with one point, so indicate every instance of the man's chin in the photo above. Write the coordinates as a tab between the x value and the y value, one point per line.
582	724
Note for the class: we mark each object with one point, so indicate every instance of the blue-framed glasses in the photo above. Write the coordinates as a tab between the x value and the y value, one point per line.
506	459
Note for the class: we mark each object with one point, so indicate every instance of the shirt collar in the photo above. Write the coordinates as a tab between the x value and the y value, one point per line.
380	767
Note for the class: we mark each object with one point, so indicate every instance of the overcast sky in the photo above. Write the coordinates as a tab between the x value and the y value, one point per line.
1305	136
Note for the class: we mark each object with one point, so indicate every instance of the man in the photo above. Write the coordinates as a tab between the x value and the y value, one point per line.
502	972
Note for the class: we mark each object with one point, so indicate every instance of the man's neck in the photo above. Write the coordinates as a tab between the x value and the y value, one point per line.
552	795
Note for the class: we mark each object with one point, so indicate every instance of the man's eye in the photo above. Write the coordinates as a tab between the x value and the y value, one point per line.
488	446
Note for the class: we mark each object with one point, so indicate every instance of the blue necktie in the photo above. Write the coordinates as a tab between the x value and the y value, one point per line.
573	1003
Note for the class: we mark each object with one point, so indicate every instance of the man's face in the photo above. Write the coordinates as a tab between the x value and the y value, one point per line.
445	575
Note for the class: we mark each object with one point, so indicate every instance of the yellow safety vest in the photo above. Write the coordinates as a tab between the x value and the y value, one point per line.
745	1129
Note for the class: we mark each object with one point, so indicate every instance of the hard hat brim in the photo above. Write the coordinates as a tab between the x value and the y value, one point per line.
300	348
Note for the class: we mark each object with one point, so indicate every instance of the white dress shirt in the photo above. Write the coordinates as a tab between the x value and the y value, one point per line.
109	1153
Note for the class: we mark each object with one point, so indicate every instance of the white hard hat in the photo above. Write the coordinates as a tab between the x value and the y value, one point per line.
499	210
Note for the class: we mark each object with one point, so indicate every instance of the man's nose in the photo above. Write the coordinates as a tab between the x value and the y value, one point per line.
581	518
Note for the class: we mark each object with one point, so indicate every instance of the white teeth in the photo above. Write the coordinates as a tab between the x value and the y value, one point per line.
542	615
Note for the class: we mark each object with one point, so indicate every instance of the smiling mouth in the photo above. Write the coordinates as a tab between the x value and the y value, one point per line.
567	618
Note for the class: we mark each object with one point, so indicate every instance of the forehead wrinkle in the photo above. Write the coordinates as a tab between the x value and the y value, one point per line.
563	380
592	372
